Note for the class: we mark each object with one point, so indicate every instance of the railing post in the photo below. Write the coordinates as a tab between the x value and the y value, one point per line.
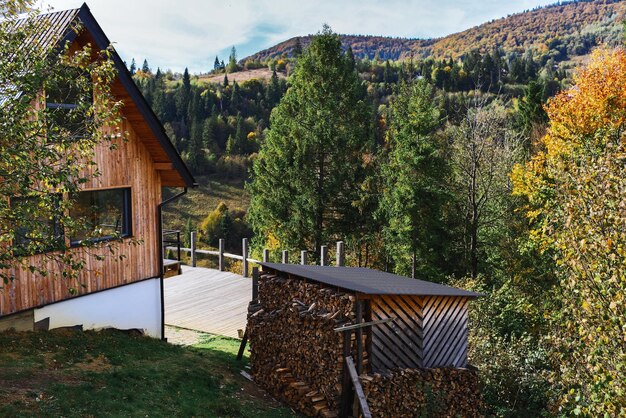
178	245
192	240
255	284
340	254
244	251
285	257
324	255
221	254
303	257
266	255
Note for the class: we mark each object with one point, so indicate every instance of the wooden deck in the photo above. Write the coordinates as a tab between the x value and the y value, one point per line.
207	300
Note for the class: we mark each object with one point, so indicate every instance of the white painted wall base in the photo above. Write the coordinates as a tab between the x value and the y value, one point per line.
135	305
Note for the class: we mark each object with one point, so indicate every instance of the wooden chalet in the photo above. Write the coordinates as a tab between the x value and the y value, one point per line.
124	293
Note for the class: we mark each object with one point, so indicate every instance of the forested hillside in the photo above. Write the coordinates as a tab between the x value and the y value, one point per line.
576	26
499	170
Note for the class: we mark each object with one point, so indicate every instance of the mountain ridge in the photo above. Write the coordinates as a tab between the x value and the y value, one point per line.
581	22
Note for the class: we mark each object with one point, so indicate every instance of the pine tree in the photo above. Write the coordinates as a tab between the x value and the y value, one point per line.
133	67
309	169
297	48
183	98
216	64
232	61
273	92
413	195
350	58
225	83
145	68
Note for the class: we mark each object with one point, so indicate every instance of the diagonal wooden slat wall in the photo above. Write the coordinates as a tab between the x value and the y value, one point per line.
429	332
399	343
445	331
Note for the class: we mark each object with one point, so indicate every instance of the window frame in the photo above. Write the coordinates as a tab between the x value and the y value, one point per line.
19	247
127	219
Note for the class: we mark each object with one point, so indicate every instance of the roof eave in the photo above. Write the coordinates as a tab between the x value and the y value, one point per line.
91	25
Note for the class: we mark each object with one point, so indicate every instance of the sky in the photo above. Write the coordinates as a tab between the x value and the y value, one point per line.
190	33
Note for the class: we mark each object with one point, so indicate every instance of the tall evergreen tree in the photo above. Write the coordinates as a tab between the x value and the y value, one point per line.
310	167
413	194
145	67
232	61
273	90
133	67
216	64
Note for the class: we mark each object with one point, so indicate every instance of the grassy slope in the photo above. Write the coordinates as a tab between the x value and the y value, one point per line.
197	204
76	374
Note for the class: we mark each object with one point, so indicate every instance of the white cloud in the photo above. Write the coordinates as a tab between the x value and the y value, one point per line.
191	33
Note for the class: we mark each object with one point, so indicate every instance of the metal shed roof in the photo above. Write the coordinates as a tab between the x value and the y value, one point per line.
368	281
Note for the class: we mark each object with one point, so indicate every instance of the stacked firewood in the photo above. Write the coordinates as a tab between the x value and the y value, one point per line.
443	392
294	351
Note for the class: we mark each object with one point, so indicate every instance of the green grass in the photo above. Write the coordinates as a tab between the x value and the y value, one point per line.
197	203
113	374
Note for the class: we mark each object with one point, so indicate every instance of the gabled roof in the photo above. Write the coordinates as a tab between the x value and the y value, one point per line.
60	27
368	281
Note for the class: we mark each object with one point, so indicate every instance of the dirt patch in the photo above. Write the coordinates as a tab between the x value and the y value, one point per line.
241	76
94	364
182	336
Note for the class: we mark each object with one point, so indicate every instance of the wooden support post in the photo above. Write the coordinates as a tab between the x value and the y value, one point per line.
303	257
266	255
359	337
244	253
369	332
340	254
192	240
242	346
221	254
255	284
324	255
354	376
285	259
346	388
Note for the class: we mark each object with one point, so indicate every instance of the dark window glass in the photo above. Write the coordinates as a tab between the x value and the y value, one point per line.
106	214
66	103
36	233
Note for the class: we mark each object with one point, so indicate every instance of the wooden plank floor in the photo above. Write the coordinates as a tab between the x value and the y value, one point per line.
207	300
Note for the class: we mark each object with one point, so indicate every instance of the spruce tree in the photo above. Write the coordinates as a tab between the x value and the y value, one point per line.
133	67
216	64
310	168
413	195
145	67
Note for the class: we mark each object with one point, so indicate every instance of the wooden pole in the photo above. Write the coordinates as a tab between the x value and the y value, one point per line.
285	259
340	254
266	255
255	284
303	257
324	255
359	337
244	253
346	389
192	239
221	254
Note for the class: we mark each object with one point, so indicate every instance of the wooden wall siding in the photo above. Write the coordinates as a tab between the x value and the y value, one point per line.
445	331
396	344
130	165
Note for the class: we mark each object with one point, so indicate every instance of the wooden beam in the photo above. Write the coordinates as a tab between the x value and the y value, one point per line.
365	410
364	324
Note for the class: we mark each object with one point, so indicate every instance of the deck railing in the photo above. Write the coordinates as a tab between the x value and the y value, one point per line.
244	256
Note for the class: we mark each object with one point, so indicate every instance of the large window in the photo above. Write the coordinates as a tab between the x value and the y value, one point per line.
104	214
37	229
